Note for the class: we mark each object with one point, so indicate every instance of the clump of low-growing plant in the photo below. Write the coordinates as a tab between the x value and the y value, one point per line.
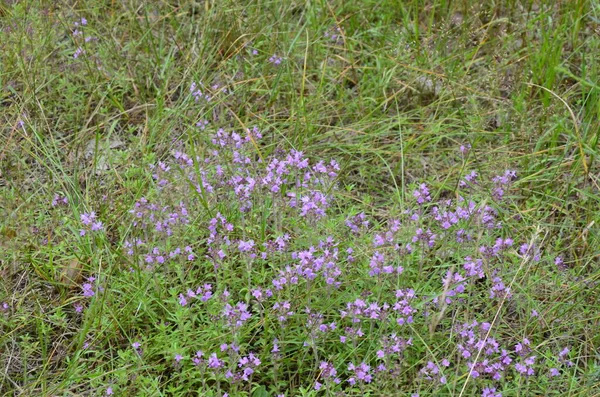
259	276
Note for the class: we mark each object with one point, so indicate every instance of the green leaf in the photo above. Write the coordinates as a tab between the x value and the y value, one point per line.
261	391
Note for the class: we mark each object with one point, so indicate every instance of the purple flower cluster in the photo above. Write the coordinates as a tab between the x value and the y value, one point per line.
328	374
213	362
473	267
434	372
379	266
563	359
530	252
301	186
502	182
203	293
246	367
77	34
236	316
241	368
474	341
490	392
316	326
282	311
90	287
202	124
261	295
425	237
161	219
499	246
321	260
90	222
464	149
218	239
454	284
358	223
275	60
422	194
360	373
389	236
469	181
334	34
197	92
358	310
278	244
403	306
392	346
499	290
559	262
59	200
525	366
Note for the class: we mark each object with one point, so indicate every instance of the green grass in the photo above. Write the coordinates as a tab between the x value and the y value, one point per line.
392	100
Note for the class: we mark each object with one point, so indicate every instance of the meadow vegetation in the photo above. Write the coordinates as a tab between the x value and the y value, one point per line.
299	198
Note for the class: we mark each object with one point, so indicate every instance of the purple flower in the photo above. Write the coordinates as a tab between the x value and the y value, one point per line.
88	290
261	295
214	362
422	194
560	263
246	246
197	93
197	359
89	220
530	251
534	313
501	182
178	358
361	372
327	370
334	34
525	367
275	60
237	315
282	311
78	52
490	392
378	266
275	348
392	345
202	124
425	236
357	223
499	290
204	293
433	372
59	200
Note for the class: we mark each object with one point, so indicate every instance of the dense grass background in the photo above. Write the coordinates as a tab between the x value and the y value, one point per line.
392	97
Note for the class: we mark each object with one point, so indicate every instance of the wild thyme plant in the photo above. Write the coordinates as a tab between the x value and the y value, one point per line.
290	293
